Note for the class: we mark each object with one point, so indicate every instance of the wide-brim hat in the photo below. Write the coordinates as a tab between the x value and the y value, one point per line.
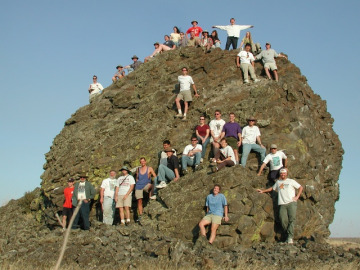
205	31
251	118
134	57
194	21
168	149
124	168
83	175
119	67
273	146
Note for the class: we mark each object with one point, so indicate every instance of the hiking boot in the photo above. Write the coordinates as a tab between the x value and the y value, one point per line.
161	185
246	81
290	241
184	172
153	197
179	115
214	169
256	80
198	167
184	118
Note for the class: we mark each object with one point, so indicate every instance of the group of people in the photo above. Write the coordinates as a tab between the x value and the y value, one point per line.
249	53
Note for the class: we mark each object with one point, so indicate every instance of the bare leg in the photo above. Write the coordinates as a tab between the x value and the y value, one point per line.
214	228
268	73
276	75
127	212
140	206
202	225
64	221
151	190
186	107
236	153
177	101
122	217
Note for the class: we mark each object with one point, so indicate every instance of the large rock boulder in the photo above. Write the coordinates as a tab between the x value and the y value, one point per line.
132	118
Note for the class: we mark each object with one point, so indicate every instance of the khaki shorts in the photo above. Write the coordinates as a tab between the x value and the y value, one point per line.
122	203
271	66
139	193
185	95
213	219
232	142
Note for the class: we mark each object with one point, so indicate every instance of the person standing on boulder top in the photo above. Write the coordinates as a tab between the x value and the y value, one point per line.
195	28
268	58
287	202
107	193
84	191
216	210
233	32
185	82
94	89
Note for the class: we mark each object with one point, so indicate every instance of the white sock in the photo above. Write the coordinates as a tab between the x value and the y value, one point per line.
184	114
180	111
123	221
128	220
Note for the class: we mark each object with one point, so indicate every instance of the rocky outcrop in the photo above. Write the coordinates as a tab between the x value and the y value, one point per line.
132	118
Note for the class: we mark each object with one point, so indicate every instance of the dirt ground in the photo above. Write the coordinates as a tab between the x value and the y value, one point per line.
345	243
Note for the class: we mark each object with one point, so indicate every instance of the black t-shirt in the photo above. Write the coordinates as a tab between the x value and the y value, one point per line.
173	163
169	43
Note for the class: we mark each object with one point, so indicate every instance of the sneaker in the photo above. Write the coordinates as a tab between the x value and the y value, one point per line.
214	169
127	223
179	115
256	80
290	241
161	185
184	172
198	167
153	197
184	118
246	81
201	160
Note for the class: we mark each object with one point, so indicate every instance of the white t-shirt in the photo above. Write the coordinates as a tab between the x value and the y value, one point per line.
189	148
185	82
275	160
124	184
249	134
228	152
286	189
81	191
216	126
109	186
96	87
246	57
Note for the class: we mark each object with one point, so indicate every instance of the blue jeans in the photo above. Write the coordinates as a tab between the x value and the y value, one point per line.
203	145
247	147
163	173
185	160
84	212
231	41
108	210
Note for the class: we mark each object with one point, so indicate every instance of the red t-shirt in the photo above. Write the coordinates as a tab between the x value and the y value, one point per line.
68	193
202	130
197	29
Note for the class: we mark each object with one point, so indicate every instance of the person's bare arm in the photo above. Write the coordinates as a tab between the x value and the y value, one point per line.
265	190
177	176
298	194
259	141
196	93
261	169
238	61
226	218
285	162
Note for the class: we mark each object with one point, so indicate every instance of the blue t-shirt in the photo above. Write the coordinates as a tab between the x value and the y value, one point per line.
216	204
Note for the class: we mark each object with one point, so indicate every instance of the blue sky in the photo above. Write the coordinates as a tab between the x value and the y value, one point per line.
49	51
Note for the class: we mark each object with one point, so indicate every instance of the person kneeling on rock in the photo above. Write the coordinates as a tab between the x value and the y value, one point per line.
217	210
287	202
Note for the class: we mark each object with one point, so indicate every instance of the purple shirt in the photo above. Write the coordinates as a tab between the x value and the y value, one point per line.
232	130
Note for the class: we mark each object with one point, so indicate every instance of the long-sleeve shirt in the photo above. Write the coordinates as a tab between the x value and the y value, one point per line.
233	30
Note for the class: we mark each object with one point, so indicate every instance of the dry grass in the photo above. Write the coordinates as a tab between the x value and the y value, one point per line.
345	243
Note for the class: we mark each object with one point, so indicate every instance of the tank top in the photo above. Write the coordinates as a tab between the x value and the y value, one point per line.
143	179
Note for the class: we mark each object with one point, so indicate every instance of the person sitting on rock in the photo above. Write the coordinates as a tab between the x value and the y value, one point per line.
255	48
206	41
135	65
191	155
232	132
277	159
123	194
162	155
94	89
251	135
159	48
68	208
233	33
247	64
216	127
143	183
203	135
223	157
83	191
183	40
287	201
169	172
169	42
119	74
268	58
195	28
107	194
185	82
216	210
215	39
175	36
193	41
